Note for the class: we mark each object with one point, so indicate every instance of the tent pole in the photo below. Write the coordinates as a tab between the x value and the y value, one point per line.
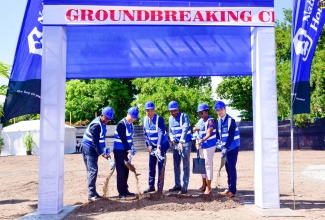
292	161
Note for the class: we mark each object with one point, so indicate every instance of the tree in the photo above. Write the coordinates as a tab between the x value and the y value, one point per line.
86	98
238	90
163	90
283	64
4	72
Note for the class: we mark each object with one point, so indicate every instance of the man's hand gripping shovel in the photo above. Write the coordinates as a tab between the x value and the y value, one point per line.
112	164
128	163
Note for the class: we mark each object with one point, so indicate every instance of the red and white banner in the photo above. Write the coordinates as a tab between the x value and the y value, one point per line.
126	15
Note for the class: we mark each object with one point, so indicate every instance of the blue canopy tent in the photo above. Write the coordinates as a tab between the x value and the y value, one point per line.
109	39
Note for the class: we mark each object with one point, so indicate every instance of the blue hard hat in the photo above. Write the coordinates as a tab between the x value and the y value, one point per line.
108	112
134	112
173	105
202	107
149	105
219	105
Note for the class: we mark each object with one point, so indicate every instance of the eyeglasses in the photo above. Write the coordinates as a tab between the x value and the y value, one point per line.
201	113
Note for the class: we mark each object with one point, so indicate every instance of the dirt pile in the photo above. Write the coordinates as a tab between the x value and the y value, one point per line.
161	202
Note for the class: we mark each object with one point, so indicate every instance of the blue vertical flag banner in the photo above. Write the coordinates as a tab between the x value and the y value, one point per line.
24	89
308	17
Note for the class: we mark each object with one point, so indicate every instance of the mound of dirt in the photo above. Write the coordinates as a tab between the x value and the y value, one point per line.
161	202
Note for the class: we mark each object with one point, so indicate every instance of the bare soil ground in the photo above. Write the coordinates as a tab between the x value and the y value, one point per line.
19	180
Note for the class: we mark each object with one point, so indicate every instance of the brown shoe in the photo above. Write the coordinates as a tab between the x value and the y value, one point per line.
224	193
230	195
201	189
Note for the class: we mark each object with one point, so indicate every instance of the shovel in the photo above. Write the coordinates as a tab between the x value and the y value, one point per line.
112	166
223	156
222	164
105	187
162	175
131	166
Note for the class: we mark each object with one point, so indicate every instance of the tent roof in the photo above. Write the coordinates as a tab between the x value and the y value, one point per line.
33	125
237	3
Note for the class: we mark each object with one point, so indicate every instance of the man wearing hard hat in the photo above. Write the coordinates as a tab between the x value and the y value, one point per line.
93	145
230	139
124	149
181	139
157	142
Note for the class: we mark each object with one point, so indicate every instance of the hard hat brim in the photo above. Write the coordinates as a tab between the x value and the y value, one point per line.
202	110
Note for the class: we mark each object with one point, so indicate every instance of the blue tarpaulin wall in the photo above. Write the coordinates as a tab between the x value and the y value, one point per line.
130	51
152	51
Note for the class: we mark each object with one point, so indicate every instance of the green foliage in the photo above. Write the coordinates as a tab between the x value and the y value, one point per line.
163	90
283	38
22	118
4	72
2	142
28	141
284	89
193	82
1	109
238	90
86	98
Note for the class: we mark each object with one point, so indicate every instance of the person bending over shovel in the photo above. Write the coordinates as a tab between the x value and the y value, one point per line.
230	139
157	142
93	145
124	150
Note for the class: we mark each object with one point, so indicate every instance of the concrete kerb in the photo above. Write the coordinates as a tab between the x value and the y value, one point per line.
281	212
65	212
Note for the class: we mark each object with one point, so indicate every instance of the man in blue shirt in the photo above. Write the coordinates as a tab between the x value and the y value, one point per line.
157	142
181	139
230	139
93	145
124	149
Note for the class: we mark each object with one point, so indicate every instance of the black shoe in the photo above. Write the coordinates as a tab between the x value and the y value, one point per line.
183	191
174	189
149	190
129	193
94	198
122	196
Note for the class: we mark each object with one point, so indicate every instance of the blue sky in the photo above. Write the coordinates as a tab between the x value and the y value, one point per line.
11	16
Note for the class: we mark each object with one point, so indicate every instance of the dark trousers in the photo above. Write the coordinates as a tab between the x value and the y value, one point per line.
90	158
122	172
230	165
152	169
